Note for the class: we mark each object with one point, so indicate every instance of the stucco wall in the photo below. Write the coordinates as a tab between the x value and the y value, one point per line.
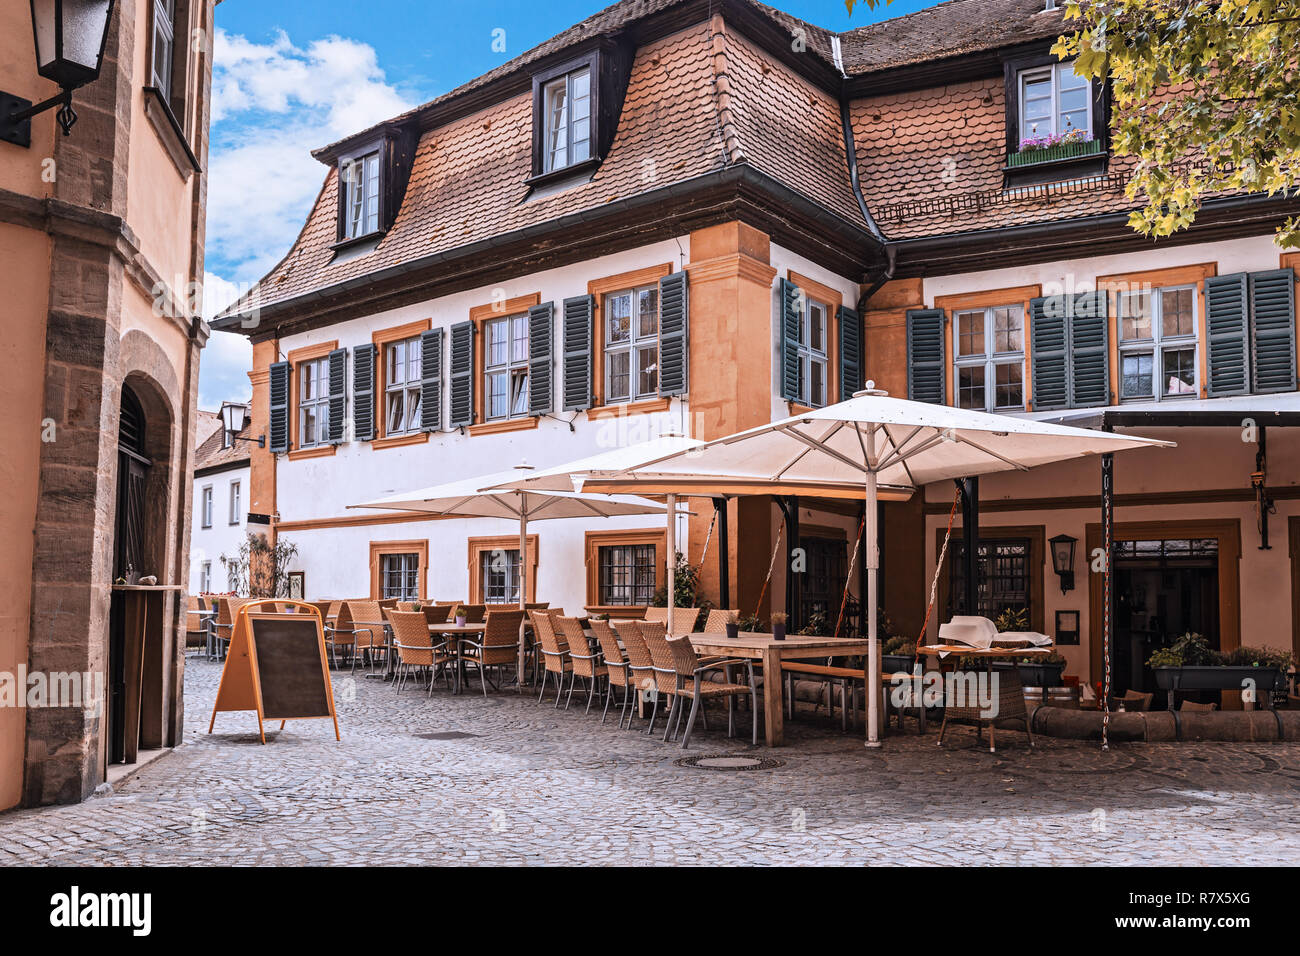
223	538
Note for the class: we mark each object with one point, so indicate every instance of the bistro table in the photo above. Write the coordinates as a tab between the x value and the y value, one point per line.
771	652
454	633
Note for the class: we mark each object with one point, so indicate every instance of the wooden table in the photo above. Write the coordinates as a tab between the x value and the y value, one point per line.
771	652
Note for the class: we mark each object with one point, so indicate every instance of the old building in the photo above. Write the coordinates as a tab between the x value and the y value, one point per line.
101	248
693	217
219	508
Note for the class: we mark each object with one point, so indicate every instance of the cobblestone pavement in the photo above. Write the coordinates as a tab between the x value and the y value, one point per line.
529	784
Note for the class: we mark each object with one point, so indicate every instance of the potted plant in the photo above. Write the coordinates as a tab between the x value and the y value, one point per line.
779	620
733	625
1189	663
899	654
1041	670
1054	147
460	617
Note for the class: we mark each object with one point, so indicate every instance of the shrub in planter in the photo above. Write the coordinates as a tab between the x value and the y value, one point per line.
779	620
899	654
1041	670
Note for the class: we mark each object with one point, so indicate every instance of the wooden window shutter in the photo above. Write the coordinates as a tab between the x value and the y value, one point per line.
1049	341
674	344
279	407
462	375
431	380
541	333
926	373
850	352
1089	349
363	392
791	319
338	394
578	314
1272	331
1226	316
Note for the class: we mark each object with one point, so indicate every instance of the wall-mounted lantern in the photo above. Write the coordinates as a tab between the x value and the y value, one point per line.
232	422
70	40
1063	559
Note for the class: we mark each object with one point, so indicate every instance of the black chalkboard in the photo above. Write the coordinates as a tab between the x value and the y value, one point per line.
290	666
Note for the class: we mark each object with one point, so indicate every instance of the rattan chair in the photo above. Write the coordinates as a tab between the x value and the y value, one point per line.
691	683
436	613
716	621
640	664
499	646
617	668
406	605
415	647
473	612
196	622
555	658
665	669
585	663
359	628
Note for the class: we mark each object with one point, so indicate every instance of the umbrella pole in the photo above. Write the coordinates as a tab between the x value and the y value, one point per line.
871	519
523	585
672	559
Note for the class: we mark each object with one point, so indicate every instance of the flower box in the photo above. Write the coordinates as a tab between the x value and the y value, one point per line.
1268	680
1053	154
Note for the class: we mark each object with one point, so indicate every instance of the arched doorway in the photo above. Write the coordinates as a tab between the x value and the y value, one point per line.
129	544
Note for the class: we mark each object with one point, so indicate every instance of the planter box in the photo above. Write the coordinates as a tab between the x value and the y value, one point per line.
893	663
1054	154
1267	679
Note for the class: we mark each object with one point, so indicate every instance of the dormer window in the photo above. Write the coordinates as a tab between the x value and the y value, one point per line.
359	195
1055	103
567	102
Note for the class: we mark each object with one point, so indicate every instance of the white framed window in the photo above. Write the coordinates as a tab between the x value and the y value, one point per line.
1054	101
631	344
205	507
399	576
499	576
989	355
205	577
403	364
313	403
359	180
235	510
505	367
814	327
1158	344
566	130
164	43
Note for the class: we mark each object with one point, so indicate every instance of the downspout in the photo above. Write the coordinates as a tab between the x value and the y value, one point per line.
877	277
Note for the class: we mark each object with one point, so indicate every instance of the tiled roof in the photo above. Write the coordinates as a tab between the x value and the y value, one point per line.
210	453
948	29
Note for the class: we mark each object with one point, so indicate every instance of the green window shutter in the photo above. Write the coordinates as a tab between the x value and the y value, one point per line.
1090	349
541	391
338	394
1226	313
926	374
1048	324
850	352
363	392
578	313
791	319
1272	331
279	407
462	375
431	380
674	352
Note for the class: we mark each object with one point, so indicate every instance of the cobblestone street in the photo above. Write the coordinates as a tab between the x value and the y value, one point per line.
503	780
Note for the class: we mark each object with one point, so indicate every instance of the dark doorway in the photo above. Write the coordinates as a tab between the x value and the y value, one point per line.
823	584
1163	589
128	555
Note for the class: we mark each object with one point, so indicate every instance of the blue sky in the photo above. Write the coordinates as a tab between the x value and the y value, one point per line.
292	75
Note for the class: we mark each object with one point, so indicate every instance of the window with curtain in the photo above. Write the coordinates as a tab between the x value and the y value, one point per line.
1054	101
631	344
313	402
402	370
989	355
567	130
505	367
1158	344
359	181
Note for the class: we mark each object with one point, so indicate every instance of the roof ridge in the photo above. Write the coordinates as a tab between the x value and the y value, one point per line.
731	146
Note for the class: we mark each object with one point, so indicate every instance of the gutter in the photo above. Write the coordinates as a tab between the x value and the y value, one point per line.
737	176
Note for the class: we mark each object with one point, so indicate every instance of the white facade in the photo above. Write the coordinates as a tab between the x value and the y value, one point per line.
227	492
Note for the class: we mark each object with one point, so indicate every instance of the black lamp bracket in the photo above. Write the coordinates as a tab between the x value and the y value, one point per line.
16	116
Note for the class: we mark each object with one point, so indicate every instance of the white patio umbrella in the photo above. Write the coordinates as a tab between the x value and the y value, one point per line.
483	497
873	440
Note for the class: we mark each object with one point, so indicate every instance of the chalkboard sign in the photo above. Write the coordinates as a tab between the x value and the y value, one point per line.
288	666
277	667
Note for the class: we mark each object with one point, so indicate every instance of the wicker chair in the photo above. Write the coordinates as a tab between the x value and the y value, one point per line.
691	683
555	658
436	613
196	622
640	664
585	664
499	646
716	621
473	612
406	605
354	629
665	669
415	647
387	604
617	668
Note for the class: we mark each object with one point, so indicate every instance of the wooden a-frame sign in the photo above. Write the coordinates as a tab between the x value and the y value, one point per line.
277	666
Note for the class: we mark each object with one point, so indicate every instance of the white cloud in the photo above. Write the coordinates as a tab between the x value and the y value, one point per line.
273	103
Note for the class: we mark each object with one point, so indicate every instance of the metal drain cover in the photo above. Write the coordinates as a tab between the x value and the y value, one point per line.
730	762
448	735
